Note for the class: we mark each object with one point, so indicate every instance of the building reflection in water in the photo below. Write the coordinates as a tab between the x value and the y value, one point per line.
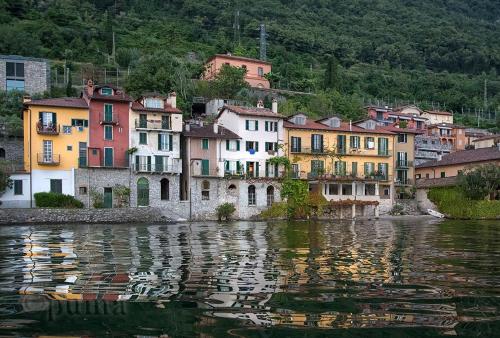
263	274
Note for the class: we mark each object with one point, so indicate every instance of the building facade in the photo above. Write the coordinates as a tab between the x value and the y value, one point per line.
436	116
29	75
256	69
343	161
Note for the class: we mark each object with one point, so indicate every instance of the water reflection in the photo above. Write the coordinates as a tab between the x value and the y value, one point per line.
317	275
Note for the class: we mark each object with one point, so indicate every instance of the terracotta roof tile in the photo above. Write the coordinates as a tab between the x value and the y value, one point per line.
344	127
445	124
403	130
73	102
251	111
436	182
465	156
437	112
235	57
207	131
488	137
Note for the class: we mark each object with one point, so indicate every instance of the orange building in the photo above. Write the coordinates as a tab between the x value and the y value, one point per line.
256	69
449	134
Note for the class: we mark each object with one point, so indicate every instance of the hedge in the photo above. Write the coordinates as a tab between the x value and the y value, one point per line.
452	202
54	200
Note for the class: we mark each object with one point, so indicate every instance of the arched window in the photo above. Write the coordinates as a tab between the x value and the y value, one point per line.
205	190
251	195
270	195
164	189
2	153
142	192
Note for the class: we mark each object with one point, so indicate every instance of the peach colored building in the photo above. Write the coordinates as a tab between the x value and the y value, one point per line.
256	69
486	141
449	134
451	165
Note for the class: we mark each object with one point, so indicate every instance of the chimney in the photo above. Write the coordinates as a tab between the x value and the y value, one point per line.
350	125
172	99
89	88
187	127
275	106
216	128
26	98
260	104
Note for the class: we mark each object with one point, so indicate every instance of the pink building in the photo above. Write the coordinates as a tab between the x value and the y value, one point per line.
256	69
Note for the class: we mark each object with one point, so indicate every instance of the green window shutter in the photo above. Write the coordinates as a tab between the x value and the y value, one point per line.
149	163
267	169
257	169
137	162
247	125
170	142
354	170
276	170
205	165
54	118
159	141
366	169
238	145
227	144
226	165
256	146
276	126
275	146
256	125
238	166
40	116
247	146
266	126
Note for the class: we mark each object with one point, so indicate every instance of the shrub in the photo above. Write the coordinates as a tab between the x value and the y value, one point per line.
278	210
97	198
225	211
53	200
397	210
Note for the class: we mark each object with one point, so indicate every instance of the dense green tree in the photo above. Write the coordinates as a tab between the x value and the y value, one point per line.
229	82
332	78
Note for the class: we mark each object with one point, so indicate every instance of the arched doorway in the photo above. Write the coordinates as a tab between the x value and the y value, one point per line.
164	189
2	153
251	195
270	195
142	192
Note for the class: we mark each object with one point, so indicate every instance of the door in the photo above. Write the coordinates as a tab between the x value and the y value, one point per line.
108	157
142	192
205	167
108	197
108	112
47	151
143	121
82	154
56	186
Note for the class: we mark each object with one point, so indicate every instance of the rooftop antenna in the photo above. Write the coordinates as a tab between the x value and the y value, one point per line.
263	42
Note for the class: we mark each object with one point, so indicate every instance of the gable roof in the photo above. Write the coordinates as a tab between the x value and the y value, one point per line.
240	58
437	112
73	102
464	157
207	131
250	111
488	137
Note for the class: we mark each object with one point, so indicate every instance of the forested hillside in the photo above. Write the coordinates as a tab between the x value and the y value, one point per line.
428	50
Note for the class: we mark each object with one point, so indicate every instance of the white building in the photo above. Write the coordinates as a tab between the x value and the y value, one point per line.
155	131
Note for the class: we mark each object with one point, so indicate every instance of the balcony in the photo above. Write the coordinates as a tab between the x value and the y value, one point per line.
157	168
152	125
50	129
303	150
403	182
346	176
404	164
48	159
109	119
234	173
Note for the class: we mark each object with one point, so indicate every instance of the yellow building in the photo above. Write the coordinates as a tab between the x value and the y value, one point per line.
343	161
55	142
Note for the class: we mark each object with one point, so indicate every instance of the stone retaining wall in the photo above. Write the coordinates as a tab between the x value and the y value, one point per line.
122	215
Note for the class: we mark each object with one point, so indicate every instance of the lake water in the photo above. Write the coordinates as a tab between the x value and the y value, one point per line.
409	278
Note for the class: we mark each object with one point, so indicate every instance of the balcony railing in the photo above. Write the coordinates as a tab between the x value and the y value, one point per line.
347	176
303	150
404	182
157	168
110	119
402	164
206	173
154	125
50	129
48	159
234	173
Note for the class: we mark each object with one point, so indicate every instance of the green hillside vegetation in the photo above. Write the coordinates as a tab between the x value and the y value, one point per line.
433	51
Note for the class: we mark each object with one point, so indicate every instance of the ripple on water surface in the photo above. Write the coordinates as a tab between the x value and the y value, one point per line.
218	280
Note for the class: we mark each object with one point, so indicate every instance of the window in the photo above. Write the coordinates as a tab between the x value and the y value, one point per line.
253	169
56	186
317	167
443	174
354	169
18	187
383	146
79	123
270	126
270	195
354	142
252	146
143	138
347	189
47	151
419	124
164	189
418	176
233	145
383	170
204	143
272	170
296	144
108	112
251	195
369	168
152	102
369	143
69	148
402	138
2	153
370	189
333	189
108	157
15	85
82	190
426	175
341	144
271	146
260	71
402	159
252	125
143	163
205	190
142	192
316	143
340	168
106	91
108	132
165	142
67	129
244	66
15	76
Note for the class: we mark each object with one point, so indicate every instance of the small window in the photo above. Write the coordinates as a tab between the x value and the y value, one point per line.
18	187
67	129
69	148
443	174
251	195
79	123
333	189
108	132
252	125
402	138
205	190
143	138
106	91
204	143
244	66
369	143
418	176
82	190
56	186
94	152
252	146
260	71
232	187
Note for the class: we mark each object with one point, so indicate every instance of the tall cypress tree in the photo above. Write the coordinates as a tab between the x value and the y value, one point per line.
332	77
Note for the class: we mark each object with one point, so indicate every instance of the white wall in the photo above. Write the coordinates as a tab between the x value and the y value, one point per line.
9	200
41	180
